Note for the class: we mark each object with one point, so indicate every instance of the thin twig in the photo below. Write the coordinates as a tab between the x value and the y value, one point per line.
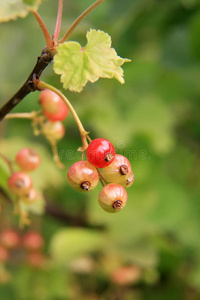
45	31
29	86
78	20
58	22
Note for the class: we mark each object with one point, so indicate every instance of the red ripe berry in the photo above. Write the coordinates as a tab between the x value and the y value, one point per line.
118	171
33	241
27	159
100	153
10	239
20	183
54	130
53	106
4	255
112	198
82	176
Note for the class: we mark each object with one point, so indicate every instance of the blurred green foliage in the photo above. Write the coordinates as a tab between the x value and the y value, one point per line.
153	119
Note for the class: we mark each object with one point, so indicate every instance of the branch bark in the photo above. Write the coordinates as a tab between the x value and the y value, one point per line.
42	62
57	213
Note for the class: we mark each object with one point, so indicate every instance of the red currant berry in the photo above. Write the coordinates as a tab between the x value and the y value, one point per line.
4	255
82	176
30	197
126	275
112	198
54	130
118	171
20	183
36	260
10	239
33	241
27	159
100	153
53	106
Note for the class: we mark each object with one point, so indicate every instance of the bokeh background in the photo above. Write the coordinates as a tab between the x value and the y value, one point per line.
151	249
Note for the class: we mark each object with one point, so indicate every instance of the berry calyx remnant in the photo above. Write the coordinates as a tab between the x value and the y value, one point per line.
112	198
100	153
82	176
27	159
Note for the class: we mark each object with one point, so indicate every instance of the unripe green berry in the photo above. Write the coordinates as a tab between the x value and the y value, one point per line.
54	131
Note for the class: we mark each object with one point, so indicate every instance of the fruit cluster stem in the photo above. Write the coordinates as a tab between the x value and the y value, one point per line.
43	85
8	162
30	115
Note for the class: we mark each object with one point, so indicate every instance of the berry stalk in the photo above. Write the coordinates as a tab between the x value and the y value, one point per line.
43	85
30	115
8	162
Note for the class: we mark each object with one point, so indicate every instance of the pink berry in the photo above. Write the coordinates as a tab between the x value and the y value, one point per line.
112	198
33	241
36	260
53	106
82	176
20	183
10	238
118	171
126	275
4	255
100	153
54	130
27	159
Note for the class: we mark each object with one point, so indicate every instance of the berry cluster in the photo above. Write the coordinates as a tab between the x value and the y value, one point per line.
30	246
20	183
116	174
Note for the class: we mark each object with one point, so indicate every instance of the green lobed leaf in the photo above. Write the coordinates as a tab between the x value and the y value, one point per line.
11	9
77	65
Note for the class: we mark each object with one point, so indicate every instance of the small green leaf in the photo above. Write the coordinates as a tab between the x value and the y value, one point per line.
11	9
78	65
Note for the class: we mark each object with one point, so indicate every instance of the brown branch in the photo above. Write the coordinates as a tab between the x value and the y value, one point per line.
29	86
61	215
57	213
